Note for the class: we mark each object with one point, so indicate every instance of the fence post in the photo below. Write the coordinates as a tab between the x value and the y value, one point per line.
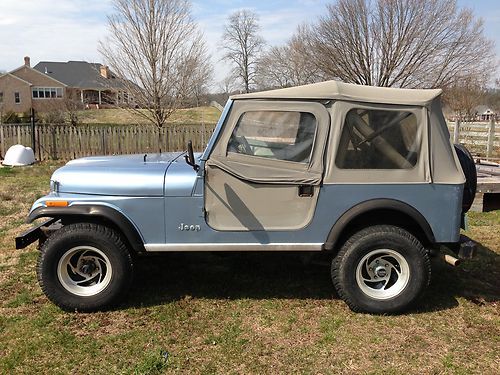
54	146
491	137
2	142
456	131
103	141
39	143
32	121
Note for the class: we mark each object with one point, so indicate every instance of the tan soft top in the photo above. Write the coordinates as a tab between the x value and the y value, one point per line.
347	91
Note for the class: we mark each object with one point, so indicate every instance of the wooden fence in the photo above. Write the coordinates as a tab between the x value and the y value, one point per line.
481	138
67	142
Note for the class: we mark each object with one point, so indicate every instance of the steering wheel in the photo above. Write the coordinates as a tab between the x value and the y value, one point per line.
243	146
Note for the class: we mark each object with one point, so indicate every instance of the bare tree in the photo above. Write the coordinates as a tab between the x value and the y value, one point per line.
288	65
155	46
227	85
402	43
197	75
464	96
492	98
243	45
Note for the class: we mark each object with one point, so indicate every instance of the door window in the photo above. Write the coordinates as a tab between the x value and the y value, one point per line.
280	135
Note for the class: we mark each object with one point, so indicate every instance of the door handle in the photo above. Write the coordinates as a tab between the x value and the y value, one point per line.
306	190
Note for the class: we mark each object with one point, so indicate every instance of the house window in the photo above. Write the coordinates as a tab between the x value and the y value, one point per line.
1	97
17	98
47	92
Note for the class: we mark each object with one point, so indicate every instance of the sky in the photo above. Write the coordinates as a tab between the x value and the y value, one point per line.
62	30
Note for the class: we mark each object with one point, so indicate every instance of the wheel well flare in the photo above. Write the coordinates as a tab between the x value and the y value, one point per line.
94	214
376	212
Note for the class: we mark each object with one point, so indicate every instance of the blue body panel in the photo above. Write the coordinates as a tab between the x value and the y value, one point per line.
127	175
334	201
180	179
147	214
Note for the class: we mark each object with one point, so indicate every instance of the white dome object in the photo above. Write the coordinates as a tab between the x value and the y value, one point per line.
19	155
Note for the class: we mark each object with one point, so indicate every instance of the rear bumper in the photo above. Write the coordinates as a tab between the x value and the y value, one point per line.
33	234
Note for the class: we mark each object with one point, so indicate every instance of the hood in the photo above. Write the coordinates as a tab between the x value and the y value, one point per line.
124	175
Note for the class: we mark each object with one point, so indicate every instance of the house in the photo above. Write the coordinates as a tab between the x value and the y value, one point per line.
90	83
17	87
50	85
483	113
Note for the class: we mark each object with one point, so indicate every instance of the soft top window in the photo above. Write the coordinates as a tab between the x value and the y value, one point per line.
281	135
378	139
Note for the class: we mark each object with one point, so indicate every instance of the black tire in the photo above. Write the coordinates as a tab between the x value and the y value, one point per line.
469	169
350	270
93	250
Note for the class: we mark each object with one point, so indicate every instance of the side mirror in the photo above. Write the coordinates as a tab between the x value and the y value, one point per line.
190	157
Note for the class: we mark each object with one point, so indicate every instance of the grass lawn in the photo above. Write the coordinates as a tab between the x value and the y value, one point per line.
208	115
250	313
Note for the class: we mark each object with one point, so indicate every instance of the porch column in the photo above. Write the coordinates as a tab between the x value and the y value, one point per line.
100	99
81	95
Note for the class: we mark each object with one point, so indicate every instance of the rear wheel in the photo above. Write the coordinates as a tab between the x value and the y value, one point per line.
381	269
85	267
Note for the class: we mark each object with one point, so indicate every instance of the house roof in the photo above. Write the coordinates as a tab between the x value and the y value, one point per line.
16	77
346	91
79	74
12	72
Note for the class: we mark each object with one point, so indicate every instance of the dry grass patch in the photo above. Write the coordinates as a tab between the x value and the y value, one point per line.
207	115
243	313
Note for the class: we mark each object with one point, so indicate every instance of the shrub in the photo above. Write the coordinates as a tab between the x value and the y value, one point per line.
11	117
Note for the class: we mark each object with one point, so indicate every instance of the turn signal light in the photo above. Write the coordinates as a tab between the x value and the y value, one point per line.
56	203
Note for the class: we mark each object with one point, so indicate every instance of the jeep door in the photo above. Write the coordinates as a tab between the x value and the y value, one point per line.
266	168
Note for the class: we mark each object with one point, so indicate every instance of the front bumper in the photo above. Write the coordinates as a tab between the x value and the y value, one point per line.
31	235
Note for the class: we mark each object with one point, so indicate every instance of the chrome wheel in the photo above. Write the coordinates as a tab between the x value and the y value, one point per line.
84	271
382	274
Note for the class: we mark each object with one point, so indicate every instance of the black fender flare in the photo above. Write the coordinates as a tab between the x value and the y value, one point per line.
373	205
92	212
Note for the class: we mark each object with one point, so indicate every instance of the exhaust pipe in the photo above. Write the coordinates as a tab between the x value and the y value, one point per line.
451	260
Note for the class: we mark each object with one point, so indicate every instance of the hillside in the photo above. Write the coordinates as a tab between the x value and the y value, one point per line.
208	115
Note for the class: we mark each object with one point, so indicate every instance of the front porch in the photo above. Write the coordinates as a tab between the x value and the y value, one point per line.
92	97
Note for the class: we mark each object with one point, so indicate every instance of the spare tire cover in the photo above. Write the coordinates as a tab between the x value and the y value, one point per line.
469	169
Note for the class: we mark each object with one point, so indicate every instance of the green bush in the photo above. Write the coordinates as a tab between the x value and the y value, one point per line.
11	117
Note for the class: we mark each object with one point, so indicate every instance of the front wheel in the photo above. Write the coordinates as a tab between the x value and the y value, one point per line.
85	267
381	269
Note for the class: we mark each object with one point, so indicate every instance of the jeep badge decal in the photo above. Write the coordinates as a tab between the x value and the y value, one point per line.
192	228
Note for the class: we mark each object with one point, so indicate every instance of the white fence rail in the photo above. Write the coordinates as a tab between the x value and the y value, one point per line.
482	138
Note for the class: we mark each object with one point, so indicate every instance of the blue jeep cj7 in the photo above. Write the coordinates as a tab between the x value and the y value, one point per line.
367	174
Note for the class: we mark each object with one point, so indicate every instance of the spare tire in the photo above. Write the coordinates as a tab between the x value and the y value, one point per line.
469	169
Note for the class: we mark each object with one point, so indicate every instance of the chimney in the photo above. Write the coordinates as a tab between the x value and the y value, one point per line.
105	71
27	61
